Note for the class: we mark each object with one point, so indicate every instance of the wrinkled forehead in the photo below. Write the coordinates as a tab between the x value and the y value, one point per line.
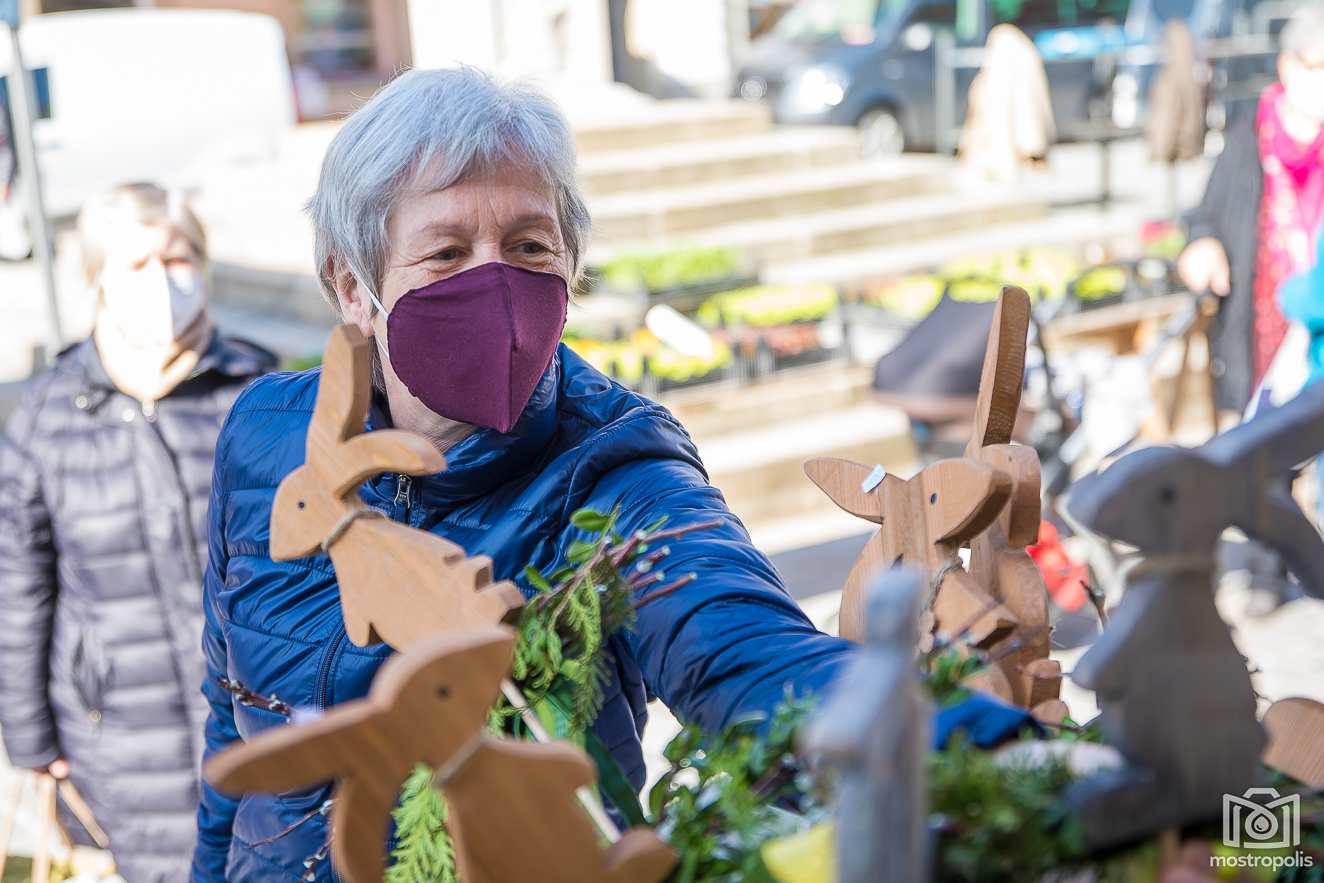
503	195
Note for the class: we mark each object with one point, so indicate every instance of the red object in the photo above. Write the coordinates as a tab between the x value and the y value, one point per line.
1064	577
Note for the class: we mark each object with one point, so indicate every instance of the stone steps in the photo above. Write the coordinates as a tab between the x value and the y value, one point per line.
652	123
882	224
715	410
681	211
688	164
761	471
1063	229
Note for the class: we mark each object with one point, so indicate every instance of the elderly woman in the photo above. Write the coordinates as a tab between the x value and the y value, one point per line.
449	229
104	471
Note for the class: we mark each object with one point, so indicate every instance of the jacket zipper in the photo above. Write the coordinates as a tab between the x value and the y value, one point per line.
323	691
403	491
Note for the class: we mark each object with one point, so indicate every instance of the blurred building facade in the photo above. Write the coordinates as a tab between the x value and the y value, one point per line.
344	48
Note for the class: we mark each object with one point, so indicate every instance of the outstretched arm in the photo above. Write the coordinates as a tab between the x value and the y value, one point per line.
732	642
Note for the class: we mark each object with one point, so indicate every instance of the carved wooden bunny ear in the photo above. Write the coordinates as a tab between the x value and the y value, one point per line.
1004	371
848	484
1257	462
1276	441
963	498
338	449
344	391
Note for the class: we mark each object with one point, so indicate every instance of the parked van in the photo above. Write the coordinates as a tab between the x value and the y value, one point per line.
870	63
147	94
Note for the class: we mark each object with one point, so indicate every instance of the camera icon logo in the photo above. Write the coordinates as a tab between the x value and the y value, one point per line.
1261	819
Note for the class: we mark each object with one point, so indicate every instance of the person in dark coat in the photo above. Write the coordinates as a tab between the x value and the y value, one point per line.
104	474
449	229
1261	211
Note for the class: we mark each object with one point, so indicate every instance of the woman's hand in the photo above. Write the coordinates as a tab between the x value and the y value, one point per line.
56	769
1203	267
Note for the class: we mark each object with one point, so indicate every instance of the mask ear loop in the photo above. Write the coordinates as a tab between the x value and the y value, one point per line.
375	302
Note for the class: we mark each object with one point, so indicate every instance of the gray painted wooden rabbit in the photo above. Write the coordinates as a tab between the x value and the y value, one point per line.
874	731
1174	691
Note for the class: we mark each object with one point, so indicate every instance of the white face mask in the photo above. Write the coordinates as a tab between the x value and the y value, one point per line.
1304	90
152	307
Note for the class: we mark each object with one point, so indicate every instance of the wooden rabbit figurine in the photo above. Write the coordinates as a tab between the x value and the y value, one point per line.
1173	689
511	805
998	559
397	584
874	731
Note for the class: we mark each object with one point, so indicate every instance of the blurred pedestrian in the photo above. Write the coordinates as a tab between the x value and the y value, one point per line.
1009	123
105	469
1260	215
1175	131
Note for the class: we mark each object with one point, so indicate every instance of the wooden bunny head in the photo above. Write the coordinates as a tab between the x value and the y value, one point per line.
923	523
1174	501
455	679
426	706
312	499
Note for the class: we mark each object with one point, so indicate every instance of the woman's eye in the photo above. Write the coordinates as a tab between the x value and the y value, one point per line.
532	247
447	254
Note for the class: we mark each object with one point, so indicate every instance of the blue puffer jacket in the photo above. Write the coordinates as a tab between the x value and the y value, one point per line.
724	646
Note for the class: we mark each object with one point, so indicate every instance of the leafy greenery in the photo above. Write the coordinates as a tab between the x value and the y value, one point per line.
765	306
560	666
997	821
423	851
725	795
624	359
670	269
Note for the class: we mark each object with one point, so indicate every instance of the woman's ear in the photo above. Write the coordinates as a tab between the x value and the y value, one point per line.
355	306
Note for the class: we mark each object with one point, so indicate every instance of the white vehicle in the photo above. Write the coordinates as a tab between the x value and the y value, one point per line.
156	94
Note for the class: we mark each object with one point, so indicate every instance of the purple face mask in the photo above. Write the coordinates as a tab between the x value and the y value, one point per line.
473	346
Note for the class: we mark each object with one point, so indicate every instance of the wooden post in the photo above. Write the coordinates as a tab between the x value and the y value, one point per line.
874	731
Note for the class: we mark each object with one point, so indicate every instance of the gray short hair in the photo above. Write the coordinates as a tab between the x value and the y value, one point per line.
454	123
140	202
1304	30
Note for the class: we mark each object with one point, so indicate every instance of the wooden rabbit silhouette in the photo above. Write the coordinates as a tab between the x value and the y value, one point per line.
511	805
998	559
397	584
1174	692
924	522
873	729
